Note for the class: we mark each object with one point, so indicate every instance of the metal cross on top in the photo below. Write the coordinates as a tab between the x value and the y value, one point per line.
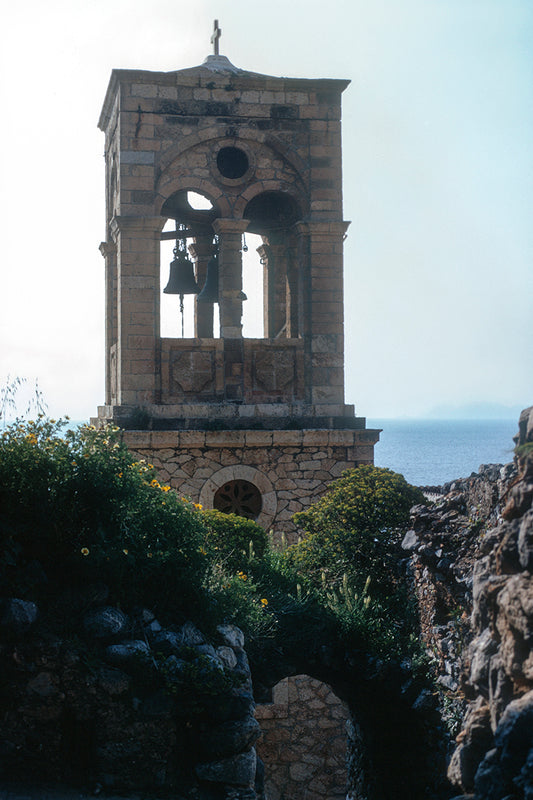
217	33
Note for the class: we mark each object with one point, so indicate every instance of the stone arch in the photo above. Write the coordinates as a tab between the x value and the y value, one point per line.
190	166
304	741
244	473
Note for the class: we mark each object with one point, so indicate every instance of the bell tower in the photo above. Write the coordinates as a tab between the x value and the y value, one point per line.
256	424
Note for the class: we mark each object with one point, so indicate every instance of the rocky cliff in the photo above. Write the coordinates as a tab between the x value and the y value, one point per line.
472	563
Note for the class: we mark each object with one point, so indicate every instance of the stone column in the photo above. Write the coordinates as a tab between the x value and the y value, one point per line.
230	275
202	250
138	308
230	304
109	252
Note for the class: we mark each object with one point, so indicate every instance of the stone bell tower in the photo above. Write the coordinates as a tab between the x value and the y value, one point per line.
258	426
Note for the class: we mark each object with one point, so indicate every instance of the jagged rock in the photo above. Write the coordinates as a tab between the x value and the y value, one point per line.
481	649
128	652
410	541
509	759
105	622
231	636
17	616
474	741
525	542
238	770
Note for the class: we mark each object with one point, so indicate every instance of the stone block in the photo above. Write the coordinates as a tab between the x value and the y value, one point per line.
224	438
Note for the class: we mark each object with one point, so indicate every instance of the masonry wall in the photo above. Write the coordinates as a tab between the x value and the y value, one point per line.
304	741
291	469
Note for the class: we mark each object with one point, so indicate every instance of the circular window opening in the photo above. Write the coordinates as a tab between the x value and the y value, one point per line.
232	162
239	497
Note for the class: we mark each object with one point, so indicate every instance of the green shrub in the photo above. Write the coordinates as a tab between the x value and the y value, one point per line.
233	540
350	553
83	508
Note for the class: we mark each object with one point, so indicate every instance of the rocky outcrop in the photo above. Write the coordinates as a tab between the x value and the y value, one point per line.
471	561
126	705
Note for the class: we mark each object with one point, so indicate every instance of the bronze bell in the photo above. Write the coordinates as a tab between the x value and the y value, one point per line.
181	279
209	293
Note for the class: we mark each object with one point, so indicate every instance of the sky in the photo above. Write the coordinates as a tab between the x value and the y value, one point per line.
438	184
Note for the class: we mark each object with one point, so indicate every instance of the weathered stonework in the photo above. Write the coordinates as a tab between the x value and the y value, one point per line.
304	741
291	469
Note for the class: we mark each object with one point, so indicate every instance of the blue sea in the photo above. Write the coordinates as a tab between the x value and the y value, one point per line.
430	452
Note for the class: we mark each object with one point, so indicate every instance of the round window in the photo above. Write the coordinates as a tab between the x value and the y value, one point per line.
232	162
239	497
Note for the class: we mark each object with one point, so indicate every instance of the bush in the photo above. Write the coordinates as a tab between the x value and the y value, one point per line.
351	551
85	510
233	540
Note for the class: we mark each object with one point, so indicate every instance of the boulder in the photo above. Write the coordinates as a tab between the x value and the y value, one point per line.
127	652
105	622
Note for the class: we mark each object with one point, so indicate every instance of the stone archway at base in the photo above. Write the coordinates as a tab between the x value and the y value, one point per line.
304	742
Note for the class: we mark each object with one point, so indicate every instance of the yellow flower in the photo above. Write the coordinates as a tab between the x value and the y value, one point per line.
165	488
242	576
155	483
264	602
198	506
85	551
125	552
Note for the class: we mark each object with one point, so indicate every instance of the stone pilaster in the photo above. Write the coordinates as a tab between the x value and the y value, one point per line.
138	307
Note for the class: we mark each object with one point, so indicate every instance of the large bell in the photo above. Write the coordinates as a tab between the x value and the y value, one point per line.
181	279
209	293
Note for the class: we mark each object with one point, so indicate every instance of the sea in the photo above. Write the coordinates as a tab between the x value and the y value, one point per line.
430	452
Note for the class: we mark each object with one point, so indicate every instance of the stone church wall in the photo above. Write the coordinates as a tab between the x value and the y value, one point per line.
291	469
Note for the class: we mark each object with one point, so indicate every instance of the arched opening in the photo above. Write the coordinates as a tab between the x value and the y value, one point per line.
304	742
272	216
187	236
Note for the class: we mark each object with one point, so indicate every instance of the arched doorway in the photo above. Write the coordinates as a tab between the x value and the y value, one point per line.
304	742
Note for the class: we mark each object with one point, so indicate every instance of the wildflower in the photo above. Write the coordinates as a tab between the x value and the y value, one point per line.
199	506
120	474
85	551
202	551
264	602
165	488
155	483
125	551
150	555
242	576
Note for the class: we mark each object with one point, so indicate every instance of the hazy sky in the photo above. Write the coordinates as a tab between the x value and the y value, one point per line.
438	182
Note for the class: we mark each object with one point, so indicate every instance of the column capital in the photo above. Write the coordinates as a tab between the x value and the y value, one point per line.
229	225
310	227
107	249
144	226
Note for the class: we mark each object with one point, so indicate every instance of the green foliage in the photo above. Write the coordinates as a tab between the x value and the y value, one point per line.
233	540
81	506
350	554
355	527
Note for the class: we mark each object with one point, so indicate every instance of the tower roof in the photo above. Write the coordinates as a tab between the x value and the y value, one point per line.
213	67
